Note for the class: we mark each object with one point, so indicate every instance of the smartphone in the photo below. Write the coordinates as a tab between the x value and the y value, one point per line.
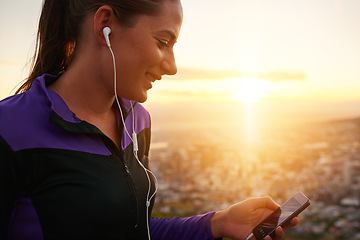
290	209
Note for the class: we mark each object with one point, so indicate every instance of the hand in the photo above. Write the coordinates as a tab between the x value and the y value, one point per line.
238	221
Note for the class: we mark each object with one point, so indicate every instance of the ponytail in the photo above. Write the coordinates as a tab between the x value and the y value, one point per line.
54	43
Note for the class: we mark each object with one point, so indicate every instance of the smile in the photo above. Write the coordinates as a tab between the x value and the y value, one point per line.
153	77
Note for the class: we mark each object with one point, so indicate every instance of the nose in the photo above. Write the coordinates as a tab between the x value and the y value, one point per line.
168	65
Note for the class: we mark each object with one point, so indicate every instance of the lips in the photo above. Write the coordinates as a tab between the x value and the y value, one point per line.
150	79
153	77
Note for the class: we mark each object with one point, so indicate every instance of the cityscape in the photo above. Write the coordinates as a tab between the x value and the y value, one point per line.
201	170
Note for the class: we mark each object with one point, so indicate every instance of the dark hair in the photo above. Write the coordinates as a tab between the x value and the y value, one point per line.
59	25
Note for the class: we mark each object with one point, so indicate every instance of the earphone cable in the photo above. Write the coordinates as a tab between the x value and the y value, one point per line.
135	148
116	96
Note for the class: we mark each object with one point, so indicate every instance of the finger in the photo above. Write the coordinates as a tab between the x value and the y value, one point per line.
279	233
265	202
294	222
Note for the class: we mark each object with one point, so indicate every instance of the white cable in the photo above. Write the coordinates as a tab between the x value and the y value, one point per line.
148	197
116	96
136	156
135	148
250	236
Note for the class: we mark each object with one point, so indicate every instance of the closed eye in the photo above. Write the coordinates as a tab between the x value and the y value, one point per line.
163	43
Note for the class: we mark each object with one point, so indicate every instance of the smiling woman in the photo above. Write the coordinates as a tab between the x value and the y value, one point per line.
86	176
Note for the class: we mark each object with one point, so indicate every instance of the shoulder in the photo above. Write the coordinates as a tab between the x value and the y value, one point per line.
20	108
13	109
25	109
20	115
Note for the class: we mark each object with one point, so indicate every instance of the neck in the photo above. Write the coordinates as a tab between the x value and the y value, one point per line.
85	91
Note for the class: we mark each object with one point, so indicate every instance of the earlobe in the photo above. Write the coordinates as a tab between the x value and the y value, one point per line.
103	17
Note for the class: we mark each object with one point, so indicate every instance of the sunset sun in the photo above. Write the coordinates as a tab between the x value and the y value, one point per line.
251	90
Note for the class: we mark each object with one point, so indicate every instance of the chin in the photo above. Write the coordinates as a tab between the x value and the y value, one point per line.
141	98
142	101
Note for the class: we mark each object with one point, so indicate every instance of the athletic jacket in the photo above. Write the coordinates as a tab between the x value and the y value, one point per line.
62	178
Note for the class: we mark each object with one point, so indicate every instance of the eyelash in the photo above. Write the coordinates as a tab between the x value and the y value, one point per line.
163	43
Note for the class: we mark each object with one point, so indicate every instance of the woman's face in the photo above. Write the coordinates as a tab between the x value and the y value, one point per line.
144	52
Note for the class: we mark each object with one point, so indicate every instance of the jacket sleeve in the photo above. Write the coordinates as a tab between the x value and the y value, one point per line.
8	186
195	227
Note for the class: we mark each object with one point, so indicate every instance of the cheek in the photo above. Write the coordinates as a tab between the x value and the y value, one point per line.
139	60
148	52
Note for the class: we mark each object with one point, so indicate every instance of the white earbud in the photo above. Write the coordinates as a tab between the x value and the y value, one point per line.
107	31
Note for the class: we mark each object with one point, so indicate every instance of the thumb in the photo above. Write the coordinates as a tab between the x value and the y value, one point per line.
266	202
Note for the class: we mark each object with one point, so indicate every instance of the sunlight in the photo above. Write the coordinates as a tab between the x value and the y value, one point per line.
249	131
251	90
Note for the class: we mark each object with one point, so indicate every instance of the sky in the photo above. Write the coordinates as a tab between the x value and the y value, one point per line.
231	50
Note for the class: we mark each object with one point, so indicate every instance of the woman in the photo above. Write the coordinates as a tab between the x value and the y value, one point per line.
73	145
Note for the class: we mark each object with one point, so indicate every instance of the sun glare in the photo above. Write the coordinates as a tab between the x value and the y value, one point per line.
251	90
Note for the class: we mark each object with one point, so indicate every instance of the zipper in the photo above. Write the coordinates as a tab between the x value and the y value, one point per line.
127	169
131	183
117	157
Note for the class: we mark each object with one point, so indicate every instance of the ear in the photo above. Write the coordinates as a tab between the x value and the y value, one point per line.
104	17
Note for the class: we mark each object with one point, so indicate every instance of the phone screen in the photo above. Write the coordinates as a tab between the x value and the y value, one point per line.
279	216
287	211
